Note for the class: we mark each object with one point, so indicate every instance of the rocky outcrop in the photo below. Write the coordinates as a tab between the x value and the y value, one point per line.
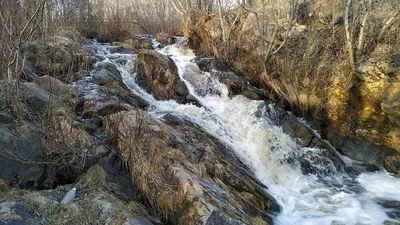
160	75
96	202
184	172
21	155
58	56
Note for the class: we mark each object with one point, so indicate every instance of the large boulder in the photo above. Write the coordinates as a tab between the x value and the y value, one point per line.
160	75
186	173
20	154
56	87
37	99
112	90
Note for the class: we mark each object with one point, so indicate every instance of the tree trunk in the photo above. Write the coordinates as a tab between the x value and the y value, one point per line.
348	30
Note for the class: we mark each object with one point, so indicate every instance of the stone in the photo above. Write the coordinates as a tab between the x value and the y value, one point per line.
101	151
191	165
36	98
364	151
56	87
106	71
220	218
238	85
160	75
20	157
296	129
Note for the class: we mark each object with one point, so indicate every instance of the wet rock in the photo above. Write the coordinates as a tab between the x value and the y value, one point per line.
115	93
160	75
164	38
322	163
393	209
220	218
187	160
128	46
210	64
365	152
236	84
292	126
194	75
181	88
296	129
106	71
116	173
335	136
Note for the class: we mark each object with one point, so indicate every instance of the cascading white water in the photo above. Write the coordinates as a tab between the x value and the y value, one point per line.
265	149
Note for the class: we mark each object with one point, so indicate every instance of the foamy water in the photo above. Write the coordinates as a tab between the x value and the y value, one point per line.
266	150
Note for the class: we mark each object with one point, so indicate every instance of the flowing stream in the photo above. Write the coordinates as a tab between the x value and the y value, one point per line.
336	198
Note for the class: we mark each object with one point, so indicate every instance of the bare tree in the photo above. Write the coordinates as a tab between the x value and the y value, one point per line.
357	14
16	34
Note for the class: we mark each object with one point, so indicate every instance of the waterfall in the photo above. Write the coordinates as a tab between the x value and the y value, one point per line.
337	198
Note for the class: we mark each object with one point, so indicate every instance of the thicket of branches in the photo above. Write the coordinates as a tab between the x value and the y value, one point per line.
363	23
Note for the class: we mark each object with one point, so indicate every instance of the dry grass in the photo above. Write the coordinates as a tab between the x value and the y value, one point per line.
302	73
154	166
257	221
4	189
95	177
